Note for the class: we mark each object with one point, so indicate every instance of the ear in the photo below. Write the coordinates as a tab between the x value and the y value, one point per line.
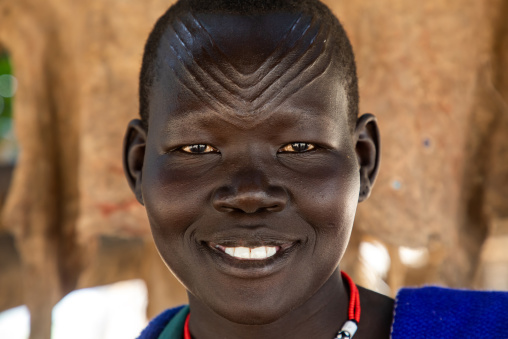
368	150
134	144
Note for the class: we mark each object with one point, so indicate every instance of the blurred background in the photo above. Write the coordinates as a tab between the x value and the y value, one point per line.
76	256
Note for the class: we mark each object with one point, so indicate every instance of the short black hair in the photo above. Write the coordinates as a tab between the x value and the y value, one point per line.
342	51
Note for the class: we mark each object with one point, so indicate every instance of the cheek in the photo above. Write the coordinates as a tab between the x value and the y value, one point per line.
173	202
330	206
174	196
329	190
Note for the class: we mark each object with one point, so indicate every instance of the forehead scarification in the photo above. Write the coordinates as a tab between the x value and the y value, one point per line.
301	55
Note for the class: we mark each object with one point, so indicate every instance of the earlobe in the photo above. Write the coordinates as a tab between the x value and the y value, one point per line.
367	146
133	156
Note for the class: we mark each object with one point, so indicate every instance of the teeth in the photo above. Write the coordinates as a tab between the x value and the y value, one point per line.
258	253
262	252
242	252
270	251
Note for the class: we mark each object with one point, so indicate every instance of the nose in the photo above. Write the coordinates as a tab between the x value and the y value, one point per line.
250	193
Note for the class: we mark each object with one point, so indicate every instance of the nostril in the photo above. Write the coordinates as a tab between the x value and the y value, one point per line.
224	208
249	201
275	208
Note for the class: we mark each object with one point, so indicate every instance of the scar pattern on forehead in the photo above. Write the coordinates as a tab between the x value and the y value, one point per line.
301	56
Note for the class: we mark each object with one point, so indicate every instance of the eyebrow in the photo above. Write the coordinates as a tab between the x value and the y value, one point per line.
297	117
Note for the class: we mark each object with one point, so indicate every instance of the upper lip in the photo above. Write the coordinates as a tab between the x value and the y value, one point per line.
250	243
249	237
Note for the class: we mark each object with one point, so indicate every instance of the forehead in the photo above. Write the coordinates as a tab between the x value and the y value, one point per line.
242	68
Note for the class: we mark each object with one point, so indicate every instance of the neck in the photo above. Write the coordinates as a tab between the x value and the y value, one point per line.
321	316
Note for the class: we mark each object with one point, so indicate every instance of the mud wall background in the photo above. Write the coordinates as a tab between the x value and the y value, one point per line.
435	73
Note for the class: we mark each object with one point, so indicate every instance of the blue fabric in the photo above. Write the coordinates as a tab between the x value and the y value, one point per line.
428	312
435	312
157	325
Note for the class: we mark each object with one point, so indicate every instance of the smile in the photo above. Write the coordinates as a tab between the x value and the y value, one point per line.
246	253
254	258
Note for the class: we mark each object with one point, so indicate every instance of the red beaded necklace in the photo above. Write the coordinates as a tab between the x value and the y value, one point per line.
349	328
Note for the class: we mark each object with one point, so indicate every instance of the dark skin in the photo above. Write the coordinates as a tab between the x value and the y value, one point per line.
249	168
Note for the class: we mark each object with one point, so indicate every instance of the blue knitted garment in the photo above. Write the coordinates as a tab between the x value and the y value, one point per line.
435	312
428	312
157	325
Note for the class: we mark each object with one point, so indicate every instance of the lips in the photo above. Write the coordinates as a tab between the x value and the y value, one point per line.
250	259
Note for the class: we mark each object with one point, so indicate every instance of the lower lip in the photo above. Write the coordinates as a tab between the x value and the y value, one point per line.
249	269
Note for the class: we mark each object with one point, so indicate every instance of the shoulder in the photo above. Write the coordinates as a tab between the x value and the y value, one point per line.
376	315
157	324
450	313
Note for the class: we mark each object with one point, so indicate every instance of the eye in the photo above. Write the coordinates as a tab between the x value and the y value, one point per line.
199	149
297	147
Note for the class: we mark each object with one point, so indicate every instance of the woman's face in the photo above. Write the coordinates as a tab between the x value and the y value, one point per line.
226	186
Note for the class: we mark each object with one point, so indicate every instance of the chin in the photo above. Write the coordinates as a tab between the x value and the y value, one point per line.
250	307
